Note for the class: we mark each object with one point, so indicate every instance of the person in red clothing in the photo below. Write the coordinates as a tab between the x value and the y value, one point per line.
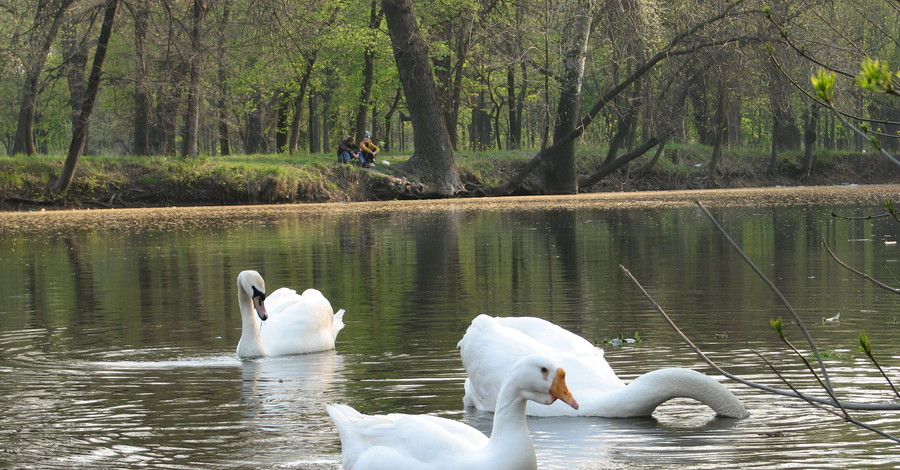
367	151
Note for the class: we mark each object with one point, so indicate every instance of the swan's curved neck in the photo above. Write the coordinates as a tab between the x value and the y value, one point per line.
250	344
650	390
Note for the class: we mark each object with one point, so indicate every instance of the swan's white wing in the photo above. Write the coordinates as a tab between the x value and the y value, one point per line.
492	344
399	441
297	323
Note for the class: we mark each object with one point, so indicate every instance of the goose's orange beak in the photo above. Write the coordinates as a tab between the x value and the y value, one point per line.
559	389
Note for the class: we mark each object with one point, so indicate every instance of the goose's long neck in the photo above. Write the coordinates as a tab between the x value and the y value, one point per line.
249	345
510	439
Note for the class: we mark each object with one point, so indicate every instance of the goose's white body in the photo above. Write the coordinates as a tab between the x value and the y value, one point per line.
493	344
422	442
294	324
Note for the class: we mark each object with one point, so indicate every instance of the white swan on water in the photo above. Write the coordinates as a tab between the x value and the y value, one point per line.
493	344
422	442
283	322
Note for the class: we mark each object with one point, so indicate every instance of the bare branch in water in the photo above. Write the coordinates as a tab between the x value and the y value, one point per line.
766	388
858	272
794	315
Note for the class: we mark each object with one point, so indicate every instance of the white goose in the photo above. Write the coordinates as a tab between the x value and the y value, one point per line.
283	322
423	442
492	344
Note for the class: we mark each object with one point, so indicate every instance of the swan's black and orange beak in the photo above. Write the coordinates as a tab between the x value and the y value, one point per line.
560	390
258	299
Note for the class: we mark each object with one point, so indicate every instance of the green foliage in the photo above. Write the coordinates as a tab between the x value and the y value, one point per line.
777	325
865	345
823	83
875	75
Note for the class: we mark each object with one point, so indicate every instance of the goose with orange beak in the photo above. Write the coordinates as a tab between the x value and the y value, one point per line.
401	441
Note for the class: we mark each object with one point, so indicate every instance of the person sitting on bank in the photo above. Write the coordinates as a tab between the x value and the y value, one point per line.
348	151
368	151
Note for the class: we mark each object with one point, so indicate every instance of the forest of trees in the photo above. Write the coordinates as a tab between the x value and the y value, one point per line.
219	77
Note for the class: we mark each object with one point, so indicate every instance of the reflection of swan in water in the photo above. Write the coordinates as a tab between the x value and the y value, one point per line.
285	322
492	344
402	441
277	389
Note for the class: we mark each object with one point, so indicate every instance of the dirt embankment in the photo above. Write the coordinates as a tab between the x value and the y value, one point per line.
130	185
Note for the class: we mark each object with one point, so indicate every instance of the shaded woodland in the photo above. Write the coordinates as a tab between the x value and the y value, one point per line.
220	77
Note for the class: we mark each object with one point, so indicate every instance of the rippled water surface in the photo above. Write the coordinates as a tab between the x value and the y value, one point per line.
118	329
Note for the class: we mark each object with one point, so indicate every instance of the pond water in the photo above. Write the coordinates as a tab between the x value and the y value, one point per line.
118	328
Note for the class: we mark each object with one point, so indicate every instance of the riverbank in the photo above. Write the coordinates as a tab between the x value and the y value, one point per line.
105	182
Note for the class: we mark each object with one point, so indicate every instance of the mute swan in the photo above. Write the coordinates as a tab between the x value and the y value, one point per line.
284	322
422	442
491	344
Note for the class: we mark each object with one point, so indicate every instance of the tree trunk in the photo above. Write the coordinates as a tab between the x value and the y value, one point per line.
315	135
809	138
773	154
514	138
559	175
192	128
221	50
298	104
48	18
282	102
254	141
720	129
141	143
387	141
433	157
74	65
368	72
79	134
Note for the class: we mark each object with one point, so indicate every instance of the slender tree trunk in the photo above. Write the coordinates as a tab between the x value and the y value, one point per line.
48	18
387	140
195	61
298	104
514	108
365	98
79	134
74	65
433	158
224	140
282	102
141	99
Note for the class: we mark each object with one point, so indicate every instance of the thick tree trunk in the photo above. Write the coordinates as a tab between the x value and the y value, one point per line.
809	138
192	126
559	175
720	129
48	18
255	141
433	158
315	134
79	134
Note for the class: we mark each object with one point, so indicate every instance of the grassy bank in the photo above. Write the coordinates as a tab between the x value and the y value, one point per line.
254	179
